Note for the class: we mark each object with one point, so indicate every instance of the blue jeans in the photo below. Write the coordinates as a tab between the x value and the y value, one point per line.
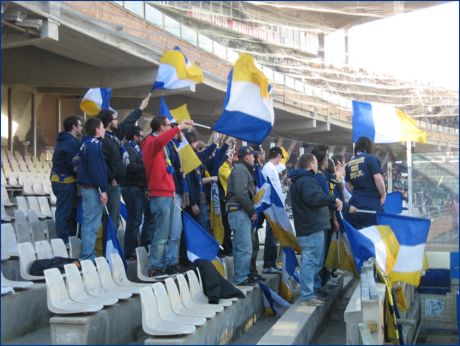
242	244
270	249
204	215
161	209
92	214
312	257
172	250
134	199
65	212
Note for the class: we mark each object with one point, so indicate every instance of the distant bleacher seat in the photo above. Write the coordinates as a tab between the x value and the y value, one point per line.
43	249
74	247
58	248
15	284
26	258
9	242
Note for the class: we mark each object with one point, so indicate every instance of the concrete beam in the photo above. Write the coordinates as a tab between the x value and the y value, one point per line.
320	127
49	32
295	124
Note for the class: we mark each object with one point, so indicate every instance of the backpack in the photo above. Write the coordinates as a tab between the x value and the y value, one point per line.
39	266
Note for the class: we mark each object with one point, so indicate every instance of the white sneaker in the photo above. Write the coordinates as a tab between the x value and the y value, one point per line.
271	270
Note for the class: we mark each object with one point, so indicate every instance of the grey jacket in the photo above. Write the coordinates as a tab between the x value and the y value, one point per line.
241	189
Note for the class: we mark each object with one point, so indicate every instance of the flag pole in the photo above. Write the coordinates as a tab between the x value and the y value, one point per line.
409	177
201	125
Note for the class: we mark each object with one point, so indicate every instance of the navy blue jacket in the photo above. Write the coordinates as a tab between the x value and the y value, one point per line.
179	180
67	147
309	203
92	169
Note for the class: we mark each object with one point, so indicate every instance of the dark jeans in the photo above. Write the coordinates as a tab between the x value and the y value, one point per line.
325	273
65	209
255	250
270	249
134	199
147	226
227	243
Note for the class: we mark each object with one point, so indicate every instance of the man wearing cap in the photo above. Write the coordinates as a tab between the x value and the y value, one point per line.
270	172
115	154
241	213
133	190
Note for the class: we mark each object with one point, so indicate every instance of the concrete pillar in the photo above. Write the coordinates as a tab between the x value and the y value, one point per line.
10	122
321	47
34	123
346	47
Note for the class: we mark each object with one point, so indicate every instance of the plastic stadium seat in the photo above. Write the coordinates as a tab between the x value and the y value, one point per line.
5	216
22	231
58	299
224	301
76	288
166	311
9	241
58	247
120	278
106	279
26	257
93	283
188	300
143	265
179	307
152	323
45	207
15	284
43	249
196	291
74	247
5	198
38	231
22	203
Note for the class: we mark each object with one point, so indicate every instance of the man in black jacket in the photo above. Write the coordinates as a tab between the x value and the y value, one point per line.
311	219
133	190
115	154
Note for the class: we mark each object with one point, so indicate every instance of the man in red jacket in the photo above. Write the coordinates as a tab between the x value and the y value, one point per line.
161	188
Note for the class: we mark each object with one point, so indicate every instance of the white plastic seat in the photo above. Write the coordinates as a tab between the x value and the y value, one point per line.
51	227
27	187
5	198
106	279
188	300
15	284
74	247
166	311
22	203
152	323
58	247
44	207
26	257
76	288
9	241
7	290
5	216
93	283
179	307
221	300
197	293
38	231
22	231
119	275
37	186
143	265
58	299
33	205
43	249
52	197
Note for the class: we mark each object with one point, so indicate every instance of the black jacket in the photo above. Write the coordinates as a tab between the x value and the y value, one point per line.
309	203
135	173
111	150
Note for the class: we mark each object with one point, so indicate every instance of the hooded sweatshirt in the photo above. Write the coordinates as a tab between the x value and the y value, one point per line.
309	203
67	147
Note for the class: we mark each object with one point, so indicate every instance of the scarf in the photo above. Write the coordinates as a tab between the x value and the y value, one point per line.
136	147
123	151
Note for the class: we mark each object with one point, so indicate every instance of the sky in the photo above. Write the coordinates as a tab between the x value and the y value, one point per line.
421	46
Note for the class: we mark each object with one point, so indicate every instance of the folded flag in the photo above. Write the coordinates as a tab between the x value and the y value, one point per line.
95	100
188	158
273	303
290	264
393	203
339	255
123	211
384	123
248	106
112	245
199	243
176	71
377	242
215	217
411	234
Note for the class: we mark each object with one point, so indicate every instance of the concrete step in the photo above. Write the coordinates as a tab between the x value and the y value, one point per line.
40	336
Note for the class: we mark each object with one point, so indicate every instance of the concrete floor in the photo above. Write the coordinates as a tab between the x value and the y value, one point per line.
253	336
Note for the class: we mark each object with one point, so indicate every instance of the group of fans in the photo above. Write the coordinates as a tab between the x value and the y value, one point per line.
117	159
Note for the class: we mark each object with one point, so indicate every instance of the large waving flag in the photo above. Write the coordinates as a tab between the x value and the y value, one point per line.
377	242
393	203
248	107
188	158
411	234
199	243
176	72
95	100
384	123
273	303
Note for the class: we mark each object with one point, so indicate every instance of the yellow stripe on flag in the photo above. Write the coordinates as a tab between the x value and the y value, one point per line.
286	238
391	245
244	70
177	59
188	159
409	130
180	113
